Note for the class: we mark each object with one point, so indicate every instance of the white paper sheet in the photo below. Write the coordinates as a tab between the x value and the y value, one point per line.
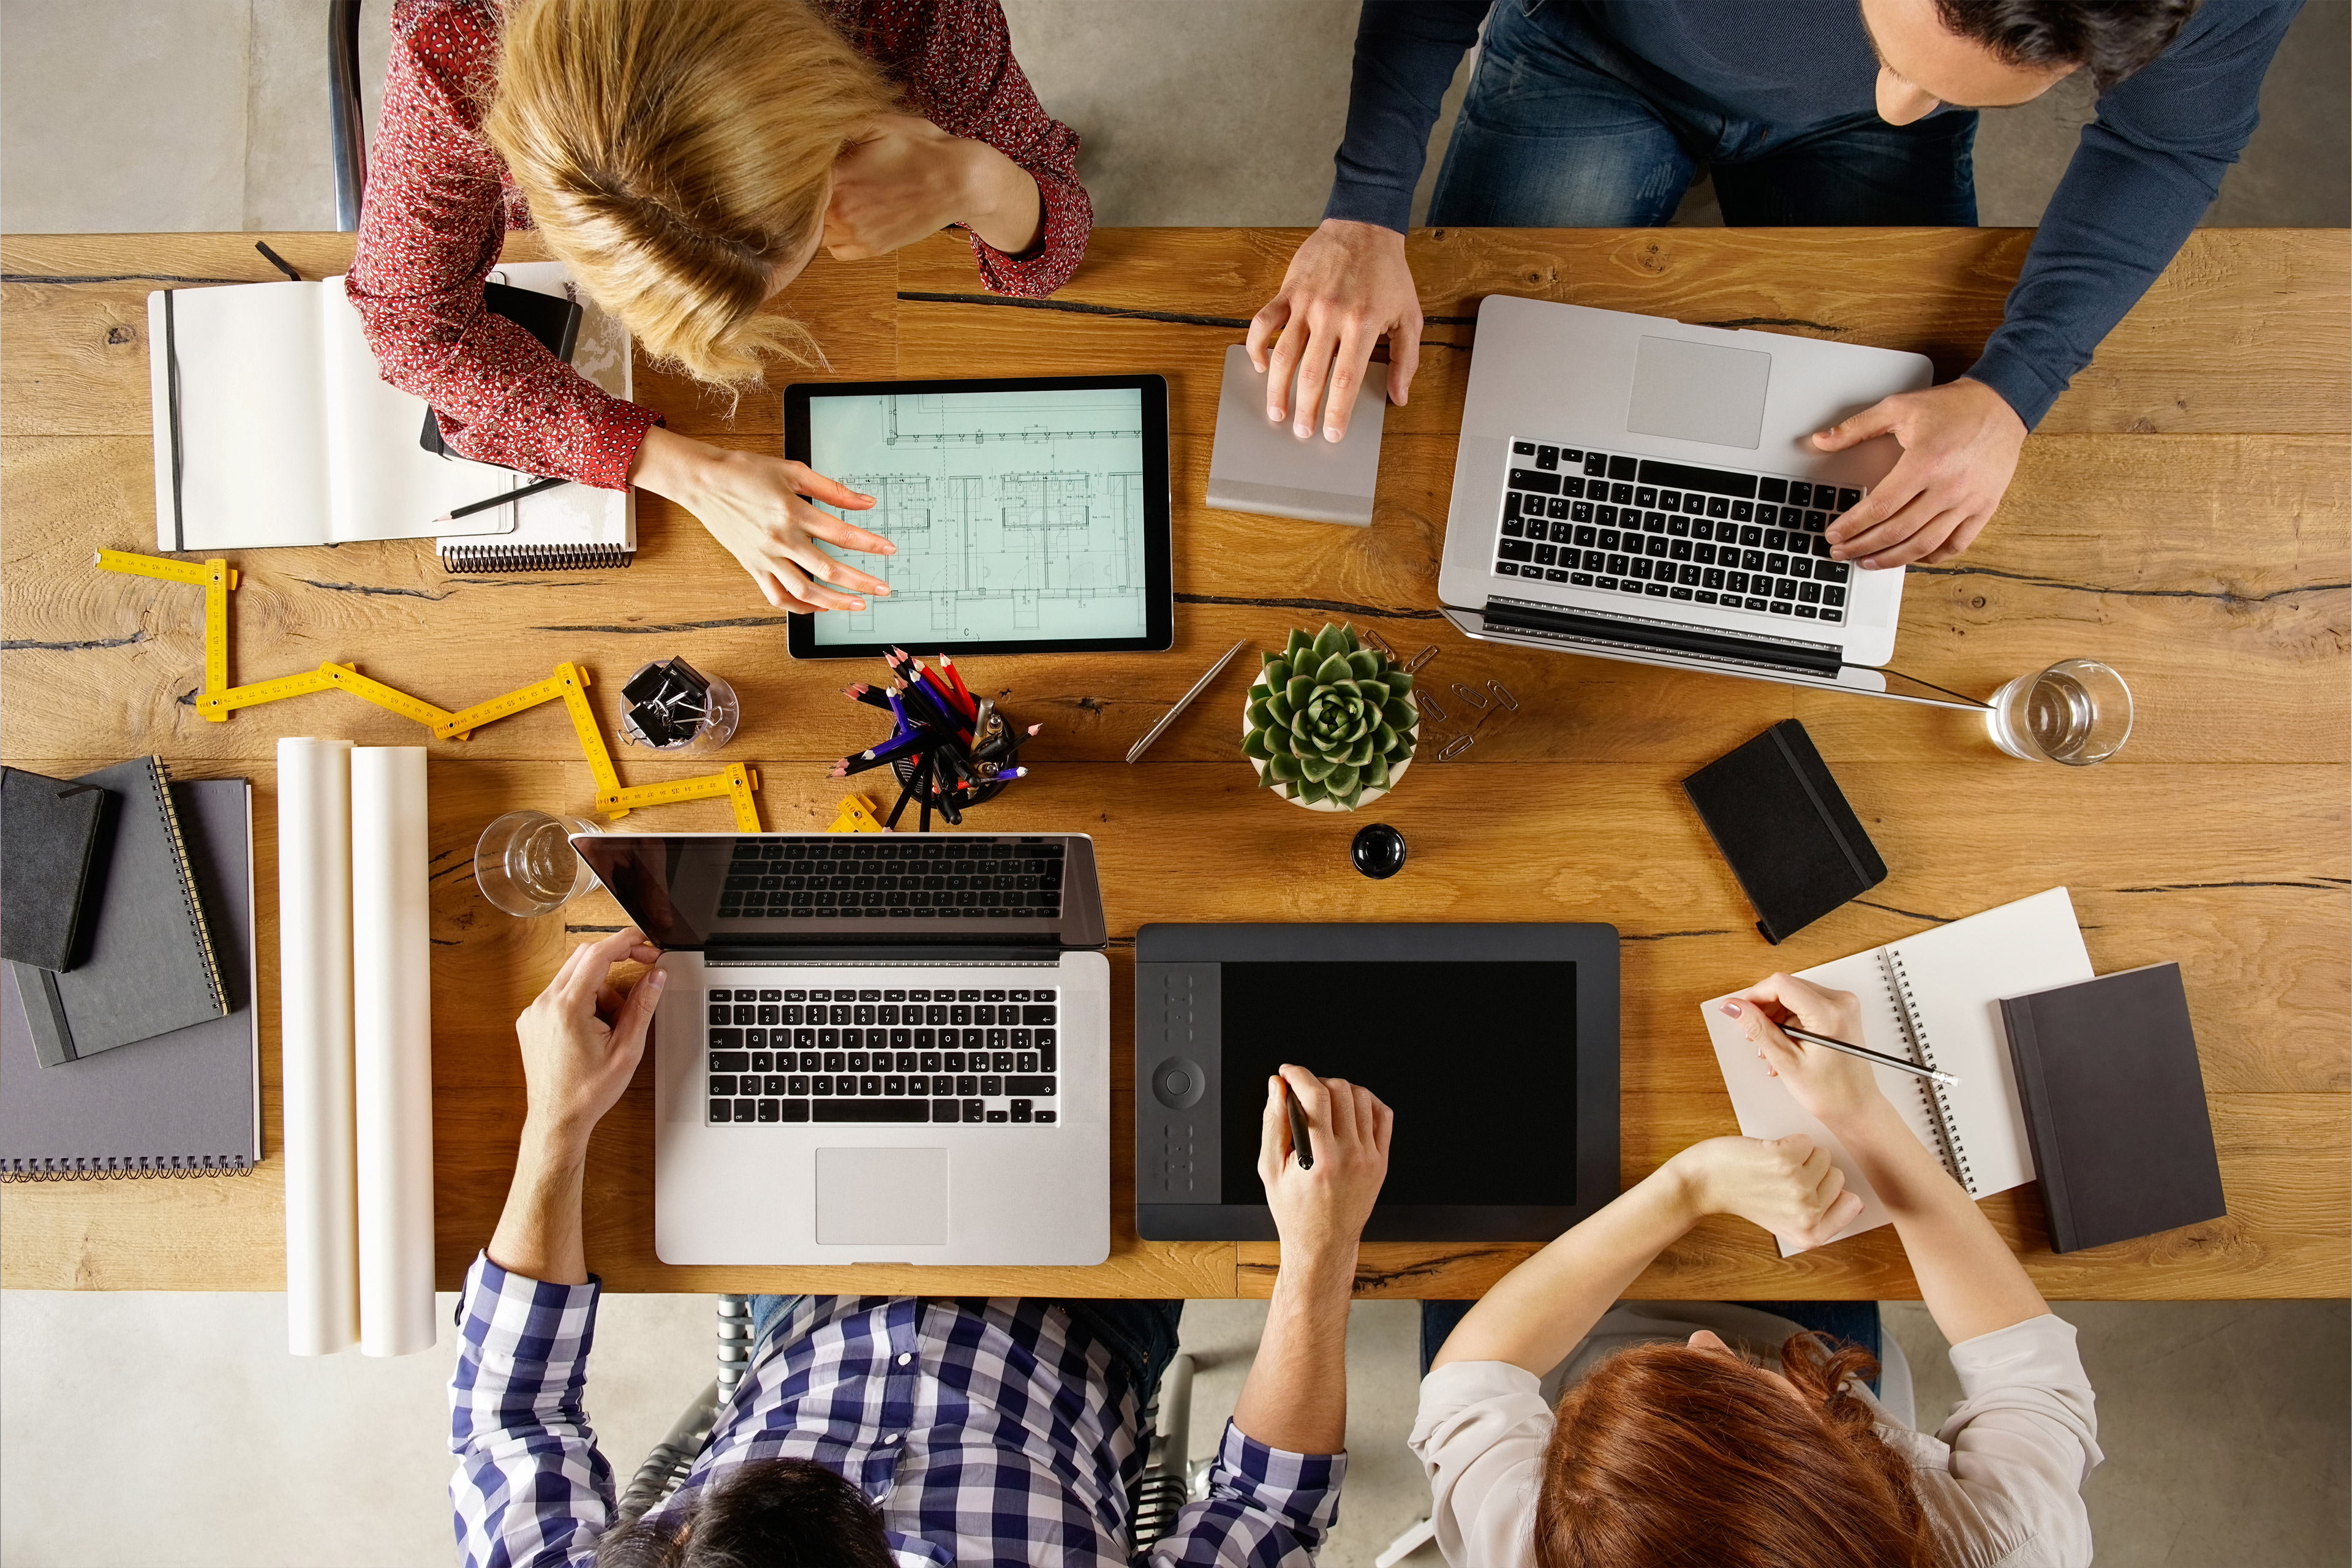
391	1004
314	967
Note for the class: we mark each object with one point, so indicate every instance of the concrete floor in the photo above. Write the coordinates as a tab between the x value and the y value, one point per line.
2225	1424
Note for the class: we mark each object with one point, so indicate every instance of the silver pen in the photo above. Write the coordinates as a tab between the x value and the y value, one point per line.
1881	1059
1185	701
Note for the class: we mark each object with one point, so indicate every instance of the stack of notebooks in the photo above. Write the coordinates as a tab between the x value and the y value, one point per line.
129	1038
2091	1084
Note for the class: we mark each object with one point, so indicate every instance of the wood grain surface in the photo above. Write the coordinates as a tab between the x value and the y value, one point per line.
2182	514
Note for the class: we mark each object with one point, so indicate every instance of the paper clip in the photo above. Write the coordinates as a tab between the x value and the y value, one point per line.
1428	706
1503	695
1456	746
1469	695
1423	657
1378	641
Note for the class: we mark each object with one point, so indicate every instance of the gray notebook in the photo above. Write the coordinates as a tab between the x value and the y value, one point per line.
183	1103
151	967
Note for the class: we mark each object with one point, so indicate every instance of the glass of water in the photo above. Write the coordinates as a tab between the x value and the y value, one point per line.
2077	711
525	864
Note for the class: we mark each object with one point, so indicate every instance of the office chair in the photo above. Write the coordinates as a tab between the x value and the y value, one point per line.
346	118
1165	1484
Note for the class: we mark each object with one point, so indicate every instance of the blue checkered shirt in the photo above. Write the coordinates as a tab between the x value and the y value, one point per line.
983	1431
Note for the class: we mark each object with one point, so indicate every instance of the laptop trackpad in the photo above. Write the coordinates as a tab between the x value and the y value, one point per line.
1699	392
891	1196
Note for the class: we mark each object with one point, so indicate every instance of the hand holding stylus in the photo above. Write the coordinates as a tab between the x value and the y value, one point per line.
1321	1185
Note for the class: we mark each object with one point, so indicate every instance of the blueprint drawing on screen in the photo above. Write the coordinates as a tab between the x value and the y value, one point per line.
1017	515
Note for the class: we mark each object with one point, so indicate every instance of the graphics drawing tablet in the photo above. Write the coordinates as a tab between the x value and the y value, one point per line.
1496	1046
1031	515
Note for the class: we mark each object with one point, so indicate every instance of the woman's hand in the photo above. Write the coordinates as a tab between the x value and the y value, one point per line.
907	179
1836	1087
1786	1186
758	506
582	1039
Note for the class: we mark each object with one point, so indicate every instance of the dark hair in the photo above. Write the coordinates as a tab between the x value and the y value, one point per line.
2108	38
1667	1453
766	1513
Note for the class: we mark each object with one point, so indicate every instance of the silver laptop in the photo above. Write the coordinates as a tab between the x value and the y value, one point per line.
875	1047
1632	488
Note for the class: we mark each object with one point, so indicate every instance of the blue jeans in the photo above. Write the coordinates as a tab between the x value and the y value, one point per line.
1853	1322
1563	129
1139	1336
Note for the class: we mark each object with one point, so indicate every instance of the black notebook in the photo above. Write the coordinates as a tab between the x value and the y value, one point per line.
152	967
50	830
186	1104
2114	1107
1783	825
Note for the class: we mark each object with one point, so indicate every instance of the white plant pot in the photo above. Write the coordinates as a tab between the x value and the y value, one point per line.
1363	800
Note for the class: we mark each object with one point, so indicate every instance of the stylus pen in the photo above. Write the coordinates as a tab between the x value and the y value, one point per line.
1299	1145
1185	701
470	508
1895	1062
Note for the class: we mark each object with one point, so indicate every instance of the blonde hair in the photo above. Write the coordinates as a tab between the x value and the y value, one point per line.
673	152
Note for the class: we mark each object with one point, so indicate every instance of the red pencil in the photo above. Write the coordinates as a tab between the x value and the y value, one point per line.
961	690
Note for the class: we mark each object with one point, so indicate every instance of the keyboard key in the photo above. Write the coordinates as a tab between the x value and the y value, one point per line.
774	1084
1045	1116
1737	582
1596	464
1772	490
1755	604
1580	579
1774	539
1777	564
1606	516
947	1110
747	1109
730	1039
1784	589
1846	500
722	1111
1816	522
996	1115
1801	567
1546	458
1834	596
1033	1088
1523	449
1515	550
1833	615
1712	577
873	1110
1717	506
722	1084
1799	493
1688	577
794	1109
1657	590
1019	1111
1742	512
1572	488
1832	570
1529	479
1808	611
1751	561
1579	511
1610	582
1705	597
771	1110
1622	494
1504	569
1678	527
1046	1048
731	1061
719	1015
1681	593
1646	496
1631	587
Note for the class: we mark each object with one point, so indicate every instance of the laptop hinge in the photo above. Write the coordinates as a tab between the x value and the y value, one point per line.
864	953
1811	659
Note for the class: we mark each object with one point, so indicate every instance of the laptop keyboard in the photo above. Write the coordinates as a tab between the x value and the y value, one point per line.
1670	530
831	1055
854	876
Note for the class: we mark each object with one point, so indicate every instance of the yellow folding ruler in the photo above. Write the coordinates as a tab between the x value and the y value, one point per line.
736	784
383	696
463	723
856	816
215	577
218	705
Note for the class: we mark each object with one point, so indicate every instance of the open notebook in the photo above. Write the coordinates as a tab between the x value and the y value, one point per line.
1934	999
273	427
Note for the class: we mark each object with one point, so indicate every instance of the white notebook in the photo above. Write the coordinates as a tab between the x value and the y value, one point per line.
272	426
570	527
1934	999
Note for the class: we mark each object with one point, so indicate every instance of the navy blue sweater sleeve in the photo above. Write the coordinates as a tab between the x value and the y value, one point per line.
1406	52
2145	173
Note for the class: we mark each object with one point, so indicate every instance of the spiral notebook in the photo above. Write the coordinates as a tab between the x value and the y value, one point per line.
1934	999
571	528
186	1103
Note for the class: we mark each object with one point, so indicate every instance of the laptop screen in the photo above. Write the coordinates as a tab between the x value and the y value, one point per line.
1477	1060
693	891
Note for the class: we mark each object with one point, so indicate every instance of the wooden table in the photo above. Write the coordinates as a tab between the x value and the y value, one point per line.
2182	514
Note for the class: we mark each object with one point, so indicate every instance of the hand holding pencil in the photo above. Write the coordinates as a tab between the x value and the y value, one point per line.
1832	1084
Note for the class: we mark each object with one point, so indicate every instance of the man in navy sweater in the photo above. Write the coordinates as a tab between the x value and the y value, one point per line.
1597	114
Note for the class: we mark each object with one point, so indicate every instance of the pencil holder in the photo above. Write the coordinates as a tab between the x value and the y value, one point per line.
949	750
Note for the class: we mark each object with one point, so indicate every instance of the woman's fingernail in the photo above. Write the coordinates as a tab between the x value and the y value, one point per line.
856	604
1732	1009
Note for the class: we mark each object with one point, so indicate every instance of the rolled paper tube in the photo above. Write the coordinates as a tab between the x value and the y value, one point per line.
314	966
392	1036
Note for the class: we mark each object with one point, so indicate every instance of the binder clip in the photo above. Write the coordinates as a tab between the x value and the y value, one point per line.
672	705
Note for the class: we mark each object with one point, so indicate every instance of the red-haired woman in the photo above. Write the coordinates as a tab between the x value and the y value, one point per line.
1670	1447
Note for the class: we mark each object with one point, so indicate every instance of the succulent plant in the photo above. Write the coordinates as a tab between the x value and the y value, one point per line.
1331	720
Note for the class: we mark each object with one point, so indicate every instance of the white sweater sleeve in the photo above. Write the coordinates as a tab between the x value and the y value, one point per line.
2025	1435
1481	1434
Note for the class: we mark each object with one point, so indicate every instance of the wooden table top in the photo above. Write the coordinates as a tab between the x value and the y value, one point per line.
2182	514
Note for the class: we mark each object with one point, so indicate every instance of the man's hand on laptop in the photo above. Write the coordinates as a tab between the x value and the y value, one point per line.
582	1039
1348	285
1961	442
1319	1211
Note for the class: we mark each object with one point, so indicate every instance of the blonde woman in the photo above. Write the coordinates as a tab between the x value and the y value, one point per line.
687	158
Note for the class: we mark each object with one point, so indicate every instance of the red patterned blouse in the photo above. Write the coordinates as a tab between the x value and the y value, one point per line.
438	198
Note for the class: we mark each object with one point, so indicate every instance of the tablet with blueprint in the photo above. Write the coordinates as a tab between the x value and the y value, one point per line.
1031	515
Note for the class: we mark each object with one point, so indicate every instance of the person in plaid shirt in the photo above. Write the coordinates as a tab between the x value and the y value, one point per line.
889	1431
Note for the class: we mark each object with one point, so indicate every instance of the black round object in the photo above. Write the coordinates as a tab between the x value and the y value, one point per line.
1377	851
1178	1083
